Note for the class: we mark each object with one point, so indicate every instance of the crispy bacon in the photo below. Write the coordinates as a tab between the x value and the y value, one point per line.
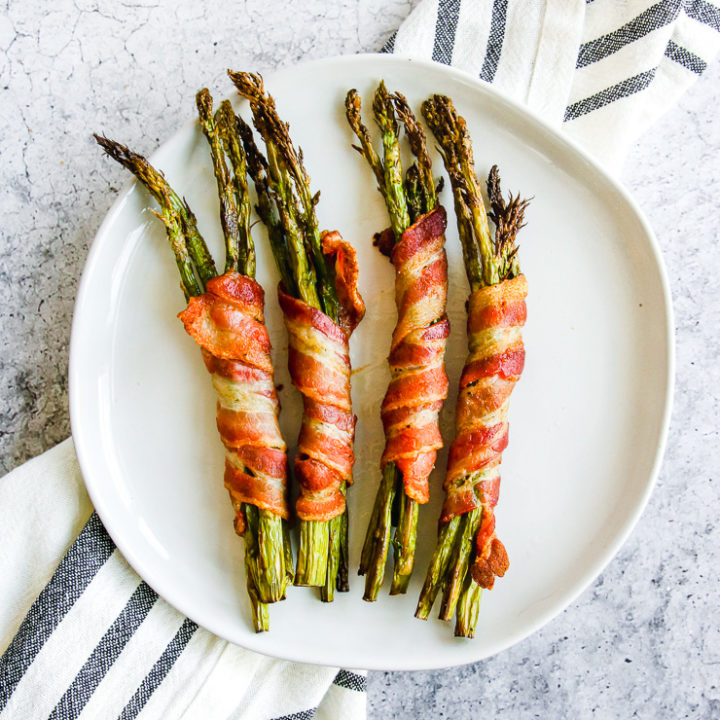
496	315
227	323
418	384
319	363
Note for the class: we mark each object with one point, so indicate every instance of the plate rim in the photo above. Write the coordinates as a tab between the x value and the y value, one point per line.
589	576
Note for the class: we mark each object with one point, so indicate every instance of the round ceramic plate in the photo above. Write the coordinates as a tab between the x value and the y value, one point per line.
588	418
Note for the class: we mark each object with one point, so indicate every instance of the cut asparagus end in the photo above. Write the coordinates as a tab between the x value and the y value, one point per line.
468	609
458	569
260	611
327	591
377	539
272	577
404	544
439	563
312	564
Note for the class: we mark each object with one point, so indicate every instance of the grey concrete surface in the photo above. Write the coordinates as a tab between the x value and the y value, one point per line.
644	640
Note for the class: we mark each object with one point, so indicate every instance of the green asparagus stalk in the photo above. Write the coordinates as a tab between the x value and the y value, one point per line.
292	185
406	198
488	260
444	551
337	537
267	207
226	191
287	206
227	127
261	616
377	536
394	189
418	147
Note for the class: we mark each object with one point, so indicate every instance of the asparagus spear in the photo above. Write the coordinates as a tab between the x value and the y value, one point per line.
267	207
226	191
266	540
227	126
174	214
488	260
287	206
221	131
416	138
406	199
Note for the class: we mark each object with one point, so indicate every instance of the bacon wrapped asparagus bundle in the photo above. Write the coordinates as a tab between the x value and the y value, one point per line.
321	306
225	318
418	386
469	556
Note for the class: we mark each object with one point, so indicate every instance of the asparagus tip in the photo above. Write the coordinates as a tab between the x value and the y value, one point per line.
204	102
117	151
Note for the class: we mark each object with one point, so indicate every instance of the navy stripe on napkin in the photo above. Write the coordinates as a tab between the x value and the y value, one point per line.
86	556
445	29
77	570
495	40
159	670
303	715
657	16
350	681
704	12
684	57
389	46
605	97
105	654
622	82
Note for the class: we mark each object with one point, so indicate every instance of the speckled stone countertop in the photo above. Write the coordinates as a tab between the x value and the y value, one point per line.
644	640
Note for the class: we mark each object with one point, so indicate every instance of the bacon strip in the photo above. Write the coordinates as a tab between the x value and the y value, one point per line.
418	384
227	323
319	363
496	315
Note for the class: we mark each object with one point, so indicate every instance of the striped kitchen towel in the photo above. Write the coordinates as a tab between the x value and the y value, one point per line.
84	637
81	634
605	69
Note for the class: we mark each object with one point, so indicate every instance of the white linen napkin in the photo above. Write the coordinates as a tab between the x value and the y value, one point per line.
86	637
605	69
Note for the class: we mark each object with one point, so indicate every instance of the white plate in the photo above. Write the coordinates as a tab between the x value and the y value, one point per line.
588	418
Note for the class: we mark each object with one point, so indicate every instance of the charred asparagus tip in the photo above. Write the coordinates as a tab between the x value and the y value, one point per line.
353	109
298	201
189	248
248	84
204	102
